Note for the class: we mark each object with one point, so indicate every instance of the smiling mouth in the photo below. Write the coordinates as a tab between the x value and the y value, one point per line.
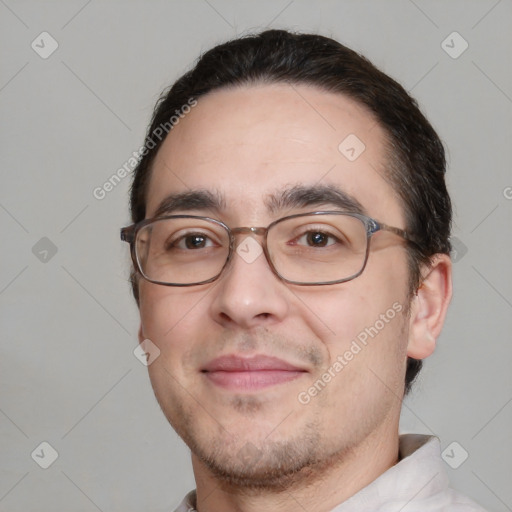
237	373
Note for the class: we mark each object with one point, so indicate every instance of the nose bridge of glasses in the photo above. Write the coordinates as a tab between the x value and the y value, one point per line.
249	231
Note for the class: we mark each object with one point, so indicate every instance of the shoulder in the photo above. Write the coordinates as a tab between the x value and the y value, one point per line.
457	502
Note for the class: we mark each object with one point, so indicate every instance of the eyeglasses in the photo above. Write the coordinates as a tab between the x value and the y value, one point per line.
317	248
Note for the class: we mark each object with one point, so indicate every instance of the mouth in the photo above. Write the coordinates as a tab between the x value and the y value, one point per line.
237	373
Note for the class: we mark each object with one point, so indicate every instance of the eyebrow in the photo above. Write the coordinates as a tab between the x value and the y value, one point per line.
193	200
300	196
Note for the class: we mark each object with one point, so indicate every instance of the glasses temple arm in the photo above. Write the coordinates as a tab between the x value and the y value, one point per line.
401	233
128	234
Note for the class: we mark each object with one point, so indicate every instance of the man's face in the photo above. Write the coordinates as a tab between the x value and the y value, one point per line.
247	145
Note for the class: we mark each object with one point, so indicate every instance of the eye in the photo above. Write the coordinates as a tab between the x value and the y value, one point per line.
316	238
190	241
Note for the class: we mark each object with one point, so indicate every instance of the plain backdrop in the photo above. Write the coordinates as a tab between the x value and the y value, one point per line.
68	375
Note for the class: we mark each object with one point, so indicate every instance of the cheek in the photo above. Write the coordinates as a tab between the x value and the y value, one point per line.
366	353
169	315
343	314
172	319
362	323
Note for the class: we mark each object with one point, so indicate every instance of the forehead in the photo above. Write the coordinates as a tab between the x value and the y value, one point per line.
246	143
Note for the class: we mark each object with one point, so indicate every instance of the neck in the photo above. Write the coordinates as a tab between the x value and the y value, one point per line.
320	487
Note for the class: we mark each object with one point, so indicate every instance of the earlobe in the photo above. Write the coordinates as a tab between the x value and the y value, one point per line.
429	307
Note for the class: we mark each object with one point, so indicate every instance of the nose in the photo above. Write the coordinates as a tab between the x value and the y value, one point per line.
248	293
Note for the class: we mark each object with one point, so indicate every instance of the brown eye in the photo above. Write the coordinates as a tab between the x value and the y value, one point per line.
195	241
317	239
190	241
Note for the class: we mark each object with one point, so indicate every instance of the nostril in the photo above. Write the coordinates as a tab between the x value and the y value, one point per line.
225	317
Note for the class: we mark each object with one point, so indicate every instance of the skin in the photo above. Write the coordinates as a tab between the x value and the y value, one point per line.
264	450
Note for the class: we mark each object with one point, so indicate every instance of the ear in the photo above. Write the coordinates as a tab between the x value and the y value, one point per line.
429	307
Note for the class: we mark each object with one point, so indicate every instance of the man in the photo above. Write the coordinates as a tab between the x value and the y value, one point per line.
291	266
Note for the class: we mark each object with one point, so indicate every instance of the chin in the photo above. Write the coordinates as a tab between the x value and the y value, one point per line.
275	466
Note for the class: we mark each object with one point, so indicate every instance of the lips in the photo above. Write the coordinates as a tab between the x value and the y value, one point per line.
250	373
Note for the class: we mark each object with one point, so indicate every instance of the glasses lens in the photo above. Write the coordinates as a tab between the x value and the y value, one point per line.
182	250
318	248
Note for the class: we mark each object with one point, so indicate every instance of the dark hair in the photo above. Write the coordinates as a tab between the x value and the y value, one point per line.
416	159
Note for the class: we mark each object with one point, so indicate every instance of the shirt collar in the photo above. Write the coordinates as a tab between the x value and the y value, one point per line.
419	473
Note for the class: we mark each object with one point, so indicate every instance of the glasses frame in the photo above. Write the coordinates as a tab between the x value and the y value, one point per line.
372	226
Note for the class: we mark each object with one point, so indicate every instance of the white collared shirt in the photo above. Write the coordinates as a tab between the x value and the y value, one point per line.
417	483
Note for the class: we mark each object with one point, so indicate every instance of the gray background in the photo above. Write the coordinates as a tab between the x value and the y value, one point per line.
68	375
